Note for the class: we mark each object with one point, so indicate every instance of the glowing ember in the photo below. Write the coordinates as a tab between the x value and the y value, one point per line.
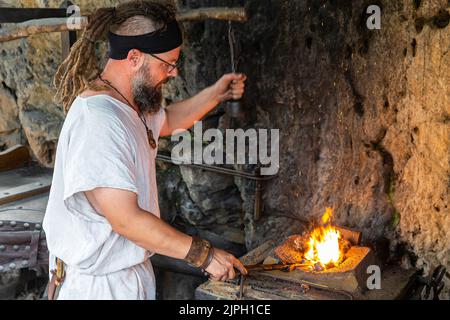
324	244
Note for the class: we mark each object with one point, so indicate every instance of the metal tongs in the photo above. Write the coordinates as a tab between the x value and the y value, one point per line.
265	267
275	266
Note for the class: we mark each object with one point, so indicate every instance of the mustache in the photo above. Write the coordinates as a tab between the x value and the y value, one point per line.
162	82
154	90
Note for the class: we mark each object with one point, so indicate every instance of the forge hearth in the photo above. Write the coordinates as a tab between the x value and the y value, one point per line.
327	255
344	282
351	275
325	262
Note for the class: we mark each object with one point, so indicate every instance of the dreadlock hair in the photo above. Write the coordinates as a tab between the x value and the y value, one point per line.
79	69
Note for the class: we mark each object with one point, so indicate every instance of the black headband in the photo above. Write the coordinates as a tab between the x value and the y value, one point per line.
158	41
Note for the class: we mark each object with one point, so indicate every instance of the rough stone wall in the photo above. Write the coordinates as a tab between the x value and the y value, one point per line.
419	138
25	72
27	66
363	117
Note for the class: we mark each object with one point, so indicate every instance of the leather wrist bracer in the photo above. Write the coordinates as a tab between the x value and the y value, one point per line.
199	253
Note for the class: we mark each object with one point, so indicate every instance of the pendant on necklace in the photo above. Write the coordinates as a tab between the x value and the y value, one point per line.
151	140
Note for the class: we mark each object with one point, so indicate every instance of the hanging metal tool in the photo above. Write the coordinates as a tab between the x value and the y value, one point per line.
233	107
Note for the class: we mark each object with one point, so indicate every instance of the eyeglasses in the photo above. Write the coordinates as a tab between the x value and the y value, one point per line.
171	65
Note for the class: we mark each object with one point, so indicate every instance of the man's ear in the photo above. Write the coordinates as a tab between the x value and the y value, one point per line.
135	58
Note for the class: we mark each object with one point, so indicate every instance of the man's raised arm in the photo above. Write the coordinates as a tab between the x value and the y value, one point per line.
183	114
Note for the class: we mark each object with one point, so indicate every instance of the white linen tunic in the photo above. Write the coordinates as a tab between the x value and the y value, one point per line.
103	143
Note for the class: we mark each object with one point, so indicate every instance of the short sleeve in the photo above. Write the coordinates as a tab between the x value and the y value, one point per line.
99	154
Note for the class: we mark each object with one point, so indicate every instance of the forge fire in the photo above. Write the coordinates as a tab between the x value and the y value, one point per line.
321	249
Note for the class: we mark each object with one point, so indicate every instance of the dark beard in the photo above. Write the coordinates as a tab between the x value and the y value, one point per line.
148	97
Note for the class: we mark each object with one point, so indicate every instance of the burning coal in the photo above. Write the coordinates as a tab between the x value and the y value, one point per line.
322	248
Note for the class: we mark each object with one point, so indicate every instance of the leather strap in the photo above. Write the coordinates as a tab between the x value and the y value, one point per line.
52	287
198	252
57	280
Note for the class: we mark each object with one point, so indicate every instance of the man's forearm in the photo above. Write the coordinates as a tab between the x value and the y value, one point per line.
183	114
153	234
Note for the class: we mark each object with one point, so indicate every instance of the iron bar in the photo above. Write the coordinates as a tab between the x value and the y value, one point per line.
17	15
217	169
242	174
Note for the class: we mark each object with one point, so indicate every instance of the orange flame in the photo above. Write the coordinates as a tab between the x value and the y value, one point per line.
323	244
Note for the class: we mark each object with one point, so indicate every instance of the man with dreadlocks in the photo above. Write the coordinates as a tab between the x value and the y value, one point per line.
102	219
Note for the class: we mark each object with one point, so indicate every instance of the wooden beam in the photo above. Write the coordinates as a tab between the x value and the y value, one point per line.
68	38
37	26
353	236
216	13
24	191
258	254
32	27
14	157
